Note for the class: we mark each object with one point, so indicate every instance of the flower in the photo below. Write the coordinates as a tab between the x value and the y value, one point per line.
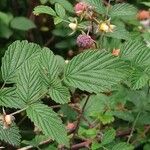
105	26
85	41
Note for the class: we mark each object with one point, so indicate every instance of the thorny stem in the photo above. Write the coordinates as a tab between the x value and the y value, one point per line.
133	127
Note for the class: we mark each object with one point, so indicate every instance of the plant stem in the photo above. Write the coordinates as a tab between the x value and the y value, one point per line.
133	127
19	111
80	117
3	85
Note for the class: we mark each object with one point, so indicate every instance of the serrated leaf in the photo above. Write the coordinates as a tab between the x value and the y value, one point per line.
124	115
8	98
123	10
65	3
94	71
16	55
22	23
108	136
60	10
10	135
123	146
48	121
98	5
106	118
139	78
119	33
41	9
49	67
136	52
28	83
59	93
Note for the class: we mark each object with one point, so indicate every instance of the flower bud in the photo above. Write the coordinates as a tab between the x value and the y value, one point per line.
73	26
80	8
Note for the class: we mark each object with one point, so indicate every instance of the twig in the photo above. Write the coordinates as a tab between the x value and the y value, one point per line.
133	127
41	143
80	117
81	145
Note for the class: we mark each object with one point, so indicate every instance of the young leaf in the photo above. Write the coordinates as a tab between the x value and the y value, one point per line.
60	10
10	135
94	71
98	5
22	23
59	93
28	83
48	121
16	55
123	146
8	98
108	136
123	11
41	9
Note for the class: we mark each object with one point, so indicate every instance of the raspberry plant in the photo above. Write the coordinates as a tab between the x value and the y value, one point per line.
99	98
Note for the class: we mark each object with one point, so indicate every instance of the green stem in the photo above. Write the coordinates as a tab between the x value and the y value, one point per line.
133	127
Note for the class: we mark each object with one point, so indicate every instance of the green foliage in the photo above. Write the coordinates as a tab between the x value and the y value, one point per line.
123	146
60	10
122	11
22	23
10	135
44	10
94	71
8	98
17	55
108	136
98	6
48	122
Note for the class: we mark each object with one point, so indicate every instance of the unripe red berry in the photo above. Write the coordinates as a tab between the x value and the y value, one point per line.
80	8
84	41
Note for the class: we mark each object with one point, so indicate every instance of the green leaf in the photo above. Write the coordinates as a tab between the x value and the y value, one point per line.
36	140
8	98
57	20
106	118
22	23
66	4
49	67
10	135
124	115
41	9
48	121
123	10
94	71
119	33
16	55
29	83
5	31
123	146
108	136
60	10
5	18
59	93
146	3
139	78
98	6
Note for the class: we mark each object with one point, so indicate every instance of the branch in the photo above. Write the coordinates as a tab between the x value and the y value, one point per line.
80	117
41	143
